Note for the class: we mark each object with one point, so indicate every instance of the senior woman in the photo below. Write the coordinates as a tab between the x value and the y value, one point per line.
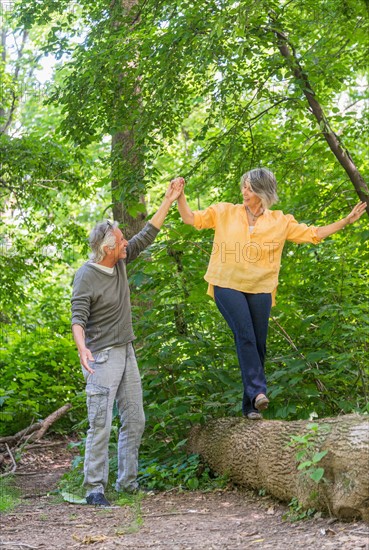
243	269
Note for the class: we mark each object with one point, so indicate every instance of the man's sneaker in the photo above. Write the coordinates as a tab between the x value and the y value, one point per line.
97	499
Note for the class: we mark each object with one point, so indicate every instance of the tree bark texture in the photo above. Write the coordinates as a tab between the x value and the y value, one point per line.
123	143
258	454
123	148
342	155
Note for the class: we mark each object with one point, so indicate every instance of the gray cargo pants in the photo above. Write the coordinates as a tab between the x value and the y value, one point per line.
116	378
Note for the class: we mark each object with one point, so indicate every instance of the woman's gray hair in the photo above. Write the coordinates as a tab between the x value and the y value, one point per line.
102	235
263	183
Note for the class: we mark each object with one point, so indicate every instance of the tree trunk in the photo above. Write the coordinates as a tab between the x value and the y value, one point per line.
127	162
259	454
122	146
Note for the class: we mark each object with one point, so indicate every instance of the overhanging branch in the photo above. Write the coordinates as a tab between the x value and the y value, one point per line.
341	153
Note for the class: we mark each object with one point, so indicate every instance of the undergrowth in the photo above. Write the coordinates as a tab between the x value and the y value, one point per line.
9	495
178	471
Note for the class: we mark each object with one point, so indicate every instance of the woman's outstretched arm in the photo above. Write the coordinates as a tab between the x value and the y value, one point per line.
184	210
356	213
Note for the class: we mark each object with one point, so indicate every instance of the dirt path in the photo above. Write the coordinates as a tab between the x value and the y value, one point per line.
170	521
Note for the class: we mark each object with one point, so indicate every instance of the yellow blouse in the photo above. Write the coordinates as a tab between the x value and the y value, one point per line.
249	262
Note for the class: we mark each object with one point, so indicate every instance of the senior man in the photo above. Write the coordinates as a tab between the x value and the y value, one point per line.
103	332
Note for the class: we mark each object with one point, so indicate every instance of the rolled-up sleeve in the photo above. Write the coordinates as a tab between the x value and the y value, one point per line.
300	232
205	219
81	301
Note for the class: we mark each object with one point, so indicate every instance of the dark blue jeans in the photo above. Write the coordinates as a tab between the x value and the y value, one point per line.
247	316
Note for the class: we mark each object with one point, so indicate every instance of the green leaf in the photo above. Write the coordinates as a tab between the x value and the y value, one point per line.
317	474
135	209
193	483
304	465
318	456
73	499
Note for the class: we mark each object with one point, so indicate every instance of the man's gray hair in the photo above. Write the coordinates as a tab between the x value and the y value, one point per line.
102	235
263	183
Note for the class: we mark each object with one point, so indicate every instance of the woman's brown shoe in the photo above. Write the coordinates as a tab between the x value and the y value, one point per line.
253	415
261	402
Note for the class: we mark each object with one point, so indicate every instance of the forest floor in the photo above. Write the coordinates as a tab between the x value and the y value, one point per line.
226	519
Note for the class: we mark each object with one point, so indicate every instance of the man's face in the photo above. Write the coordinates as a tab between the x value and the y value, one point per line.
119	251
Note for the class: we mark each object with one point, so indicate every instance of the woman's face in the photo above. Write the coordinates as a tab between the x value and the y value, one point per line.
249	198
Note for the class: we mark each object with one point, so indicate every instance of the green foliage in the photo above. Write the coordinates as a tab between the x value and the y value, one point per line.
40	372
9	495
157	471
39	180
39	365
319	329
42	233
219	60
180	471
71	482
297	512
307	456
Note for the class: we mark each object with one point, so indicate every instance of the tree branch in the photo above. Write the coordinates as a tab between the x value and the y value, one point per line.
13	462
15	97
342	154
40	427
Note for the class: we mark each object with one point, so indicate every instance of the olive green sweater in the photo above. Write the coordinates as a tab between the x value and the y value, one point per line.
101	301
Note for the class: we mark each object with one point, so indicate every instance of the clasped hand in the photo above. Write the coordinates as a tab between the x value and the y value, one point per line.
175	189
177	184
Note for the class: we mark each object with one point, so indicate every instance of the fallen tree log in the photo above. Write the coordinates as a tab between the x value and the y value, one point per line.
267	454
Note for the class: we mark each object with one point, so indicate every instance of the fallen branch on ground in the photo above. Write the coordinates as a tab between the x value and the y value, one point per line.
38	430
13	462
